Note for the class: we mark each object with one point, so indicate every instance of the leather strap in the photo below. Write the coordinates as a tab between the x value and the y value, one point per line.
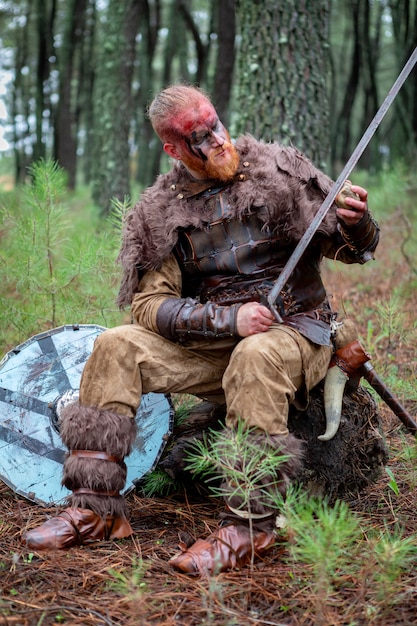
363	236
350	358
95	454
93	492
181	319
246	515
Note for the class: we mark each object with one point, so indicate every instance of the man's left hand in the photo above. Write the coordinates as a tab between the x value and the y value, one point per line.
357	206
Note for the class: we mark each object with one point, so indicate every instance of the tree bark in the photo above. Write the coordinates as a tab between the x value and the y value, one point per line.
148	146
225	59
85	88
370	37
113	103
45	14
283	71
20	98
66	117
404	130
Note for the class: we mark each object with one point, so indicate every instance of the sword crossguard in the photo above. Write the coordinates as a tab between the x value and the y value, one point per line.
263	299
274	310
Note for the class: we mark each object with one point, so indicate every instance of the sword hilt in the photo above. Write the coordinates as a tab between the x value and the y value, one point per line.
266	301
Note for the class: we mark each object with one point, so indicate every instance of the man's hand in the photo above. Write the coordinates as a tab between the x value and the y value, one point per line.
353	215
253	318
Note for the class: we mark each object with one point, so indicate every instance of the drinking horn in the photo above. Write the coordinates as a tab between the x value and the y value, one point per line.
346	360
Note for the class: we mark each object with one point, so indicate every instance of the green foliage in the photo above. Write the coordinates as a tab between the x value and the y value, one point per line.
158	483
388	556
242	461
387	189
408	456
183	404
392	483
325	537
131	583
118	210
389	326
338	549
56	264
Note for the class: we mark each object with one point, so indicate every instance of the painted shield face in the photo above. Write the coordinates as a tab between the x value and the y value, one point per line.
37	379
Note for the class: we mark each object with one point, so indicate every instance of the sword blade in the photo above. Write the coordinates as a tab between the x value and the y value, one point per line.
337	186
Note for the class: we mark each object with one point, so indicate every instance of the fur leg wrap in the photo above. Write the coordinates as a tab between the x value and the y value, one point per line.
96	481
258	504
249	493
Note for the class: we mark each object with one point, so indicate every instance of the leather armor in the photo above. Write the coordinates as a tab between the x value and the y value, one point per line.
235	260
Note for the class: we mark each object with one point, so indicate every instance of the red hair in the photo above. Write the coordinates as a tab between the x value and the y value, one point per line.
168	105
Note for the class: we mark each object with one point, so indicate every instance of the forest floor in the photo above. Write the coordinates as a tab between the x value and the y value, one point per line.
130	582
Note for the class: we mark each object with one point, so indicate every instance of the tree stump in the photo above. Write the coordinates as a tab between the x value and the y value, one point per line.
342	467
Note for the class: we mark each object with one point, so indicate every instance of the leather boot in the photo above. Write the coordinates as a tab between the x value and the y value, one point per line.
95	472
226	548
76	527
232	545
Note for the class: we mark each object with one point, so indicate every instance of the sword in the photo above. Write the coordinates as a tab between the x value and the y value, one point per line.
368	372
337	186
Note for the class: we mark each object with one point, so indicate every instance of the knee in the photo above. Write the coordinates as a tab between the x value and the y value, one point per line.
106	337
255	349
111	339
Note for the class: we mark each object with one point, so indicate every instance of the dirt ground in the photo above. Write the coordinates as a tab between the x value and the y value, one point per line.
81	587
105	585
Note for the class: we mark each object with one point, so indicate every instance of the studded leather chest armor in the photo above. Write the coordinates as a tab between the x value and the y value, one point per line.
237	260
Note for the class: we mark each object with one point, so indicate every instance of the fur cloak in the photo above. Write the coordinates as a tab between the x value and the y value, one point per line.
279	181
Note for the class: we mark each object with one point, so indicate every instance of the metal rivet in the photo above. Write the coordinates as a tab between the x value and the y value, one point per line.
180	196
242	177
246	163
173	187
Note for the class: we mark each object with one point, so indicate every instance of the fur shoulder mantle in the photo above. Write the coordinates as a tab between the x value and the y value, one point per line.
280	182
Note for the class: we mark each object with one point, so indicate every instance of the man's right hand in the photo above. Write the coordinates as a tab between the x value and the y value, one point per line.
253	318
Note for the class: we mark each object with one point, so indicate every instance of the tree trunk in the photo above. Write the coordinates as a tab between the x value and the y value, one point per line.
113	103
201	49
283	71
404	131
341	133
148	145
342	467
225	60
44	23
370	38
20	98
66	117
86	74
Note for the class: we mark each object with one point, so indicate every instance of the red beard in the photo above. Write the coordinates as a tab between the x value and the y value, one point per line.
219	168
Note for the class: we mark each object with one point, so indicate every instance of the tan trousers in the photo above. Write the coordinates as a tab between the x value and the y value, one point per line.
260	375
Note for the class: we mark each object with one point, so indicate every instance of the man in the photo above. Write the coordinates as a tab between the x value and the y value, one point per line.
199	250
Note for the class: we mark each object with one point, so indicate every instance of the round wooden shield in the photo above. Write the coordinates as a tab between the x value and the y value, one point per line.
36	379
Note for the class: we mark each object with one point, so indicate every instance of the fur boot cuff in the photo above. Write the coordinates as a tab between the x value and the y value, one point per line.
96	479
259	498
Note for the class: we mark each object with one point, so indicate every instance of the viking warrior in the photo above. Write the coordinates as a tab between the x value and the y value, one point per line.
200	251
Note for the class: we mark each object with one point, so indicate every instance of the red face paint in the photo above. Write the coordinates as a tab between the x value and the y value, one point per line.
204	145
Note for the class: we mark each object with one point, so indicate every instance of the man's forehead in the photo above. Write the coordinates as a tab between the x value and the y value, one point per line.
196	117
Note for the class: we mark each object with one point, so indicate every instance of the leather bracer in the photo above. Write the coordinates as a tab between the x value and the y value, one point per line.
363	237
181	319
